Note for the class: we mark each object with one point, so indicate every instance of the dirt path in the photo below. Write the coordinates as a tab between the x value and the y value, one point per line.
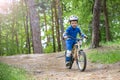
49	67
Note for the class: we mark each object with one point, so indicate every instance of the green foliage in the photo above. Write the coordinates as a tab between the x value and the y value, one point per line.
12	30
83	9
12	73
13	25
113	13
48	48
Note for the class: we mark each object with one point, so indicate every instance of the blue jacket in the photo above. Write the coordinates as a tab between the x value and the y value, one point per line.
70	31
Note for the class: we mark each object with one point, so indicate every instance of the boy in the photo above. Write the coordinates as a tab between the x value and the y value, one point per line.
71	31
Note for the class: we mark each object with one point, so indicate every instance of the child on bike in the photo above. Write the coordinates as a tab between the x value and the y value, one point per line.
70	33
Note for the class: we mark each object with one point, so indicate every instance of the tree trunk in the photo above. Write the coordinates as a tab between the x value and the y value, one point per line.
0	39
35	27
61	22
95	23
107	27
53	36
26	26
17	42
46	30
27	35
57	27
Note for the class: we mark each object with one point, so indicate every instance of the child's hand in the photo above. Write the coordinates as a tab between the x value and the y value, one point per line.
65	37
85	37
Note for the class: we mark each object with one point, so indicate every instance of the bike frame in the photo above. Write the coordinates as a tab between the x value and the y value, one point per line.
77	48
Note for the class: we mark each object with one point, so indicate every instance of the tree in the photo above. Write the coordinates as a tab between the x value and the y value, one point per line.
57	26
34	22
20	30
25	18
95	23
46	28
0	39
61	22
53	33
107	27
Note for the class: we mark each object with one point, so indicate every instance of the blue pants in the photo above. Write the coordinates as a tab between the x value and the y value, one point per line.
69	46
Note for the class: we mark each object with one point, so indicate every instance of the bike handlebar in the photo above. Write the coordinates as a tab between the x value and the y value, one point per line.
77	38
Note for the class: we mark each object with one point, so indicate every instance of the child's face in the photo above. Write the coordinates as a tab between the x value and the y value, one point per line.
74	24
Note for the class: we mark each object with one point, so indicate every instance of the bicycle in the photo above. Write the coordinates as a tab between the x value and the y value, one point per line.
78	55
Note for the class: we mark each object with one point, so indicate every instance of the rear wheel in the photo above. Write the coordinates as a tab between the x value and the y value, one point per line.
81	61
71	62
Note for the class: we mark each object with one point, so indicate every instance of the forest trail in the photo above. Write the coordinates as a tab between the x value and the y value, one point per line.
50	67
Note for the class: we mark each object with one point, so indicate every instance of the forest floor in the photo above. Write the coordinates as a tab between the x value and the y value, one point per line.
52	67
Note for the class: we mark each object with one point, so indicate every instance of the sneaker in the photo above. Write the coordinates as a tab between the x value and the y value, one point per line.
67	64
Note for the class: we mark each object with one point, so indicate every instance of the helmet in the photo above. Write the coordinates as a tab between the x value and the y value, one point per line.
73	18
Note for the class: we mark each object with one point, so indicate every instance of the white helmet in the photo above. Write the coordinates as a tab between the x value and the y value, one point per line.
73	18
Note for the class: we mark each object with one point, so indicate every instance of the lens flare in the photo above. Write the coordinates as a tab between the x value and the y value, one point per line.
4	6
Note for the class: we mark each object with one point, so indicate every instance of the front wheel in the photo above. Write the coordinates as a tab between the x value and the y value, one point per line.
81	60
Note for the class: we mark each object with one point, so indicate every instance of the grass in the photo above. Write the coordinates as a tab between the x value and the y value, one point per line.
108	54
107	57
11	73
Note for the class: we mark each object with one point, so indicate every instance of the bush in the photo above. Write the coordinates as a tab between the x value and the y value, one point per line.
48	49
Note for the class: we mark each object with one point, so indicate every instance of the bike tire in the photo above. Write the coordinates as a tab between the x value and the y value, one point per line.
81	56
71	62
